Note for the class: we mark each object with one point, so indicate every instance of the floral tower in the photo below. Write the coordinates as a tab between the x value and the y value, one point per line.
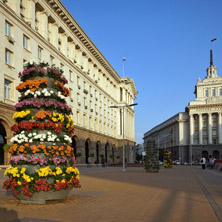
42	160
152	157
167	162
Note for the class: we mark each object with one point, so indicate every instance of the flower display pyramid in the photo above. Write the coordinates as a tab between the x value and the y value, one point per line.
42	160
167	163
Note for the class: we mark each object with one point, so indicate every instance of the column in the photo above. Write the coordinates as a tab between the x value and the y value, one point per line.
219	129
210	128
200	129
191	129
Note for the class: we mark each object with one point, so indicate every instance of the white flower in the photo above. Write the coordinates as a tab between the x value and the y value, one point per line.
30	135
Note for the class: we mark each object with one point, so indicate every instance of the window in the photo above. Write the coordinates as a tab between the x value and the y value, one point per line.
8	57
78	82
70	75
214	116
71	94
78	117
214	141
25	42
206	92
61	66
214	132
213	92
8	29
90	122
78	98
121	94
39	52
220	91
7	89
51	60
204	117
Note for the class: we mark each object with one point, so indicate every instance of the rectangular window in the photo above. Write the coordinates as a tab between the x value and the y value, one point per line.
39	52
78	117
78	98
71	94
8	57
121	94
206	92
213	92
7	89
70	75
220	92
25	42
78	82
51	60
8	29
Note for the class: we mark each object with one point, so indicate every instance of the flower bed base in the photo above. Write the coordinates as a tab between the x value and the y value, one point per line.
41	197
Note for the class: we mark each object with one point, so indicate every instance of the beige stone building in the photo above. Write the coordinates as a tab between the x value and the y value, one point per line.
45	30
198	131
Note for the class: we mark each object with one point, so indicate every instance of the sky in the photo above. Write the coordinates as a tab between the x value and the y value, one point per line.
166	44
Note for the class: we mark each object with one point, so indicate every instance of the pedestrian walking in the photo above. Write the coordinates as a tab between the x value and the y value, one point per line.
203	162
210	162
89	162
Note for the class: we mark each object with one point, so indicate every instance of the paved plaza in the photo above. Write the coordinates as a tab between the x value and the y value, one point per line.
183	193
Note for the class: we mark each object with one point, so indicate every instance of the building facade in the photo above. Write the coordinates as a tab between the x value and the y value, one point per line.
44	30
198	131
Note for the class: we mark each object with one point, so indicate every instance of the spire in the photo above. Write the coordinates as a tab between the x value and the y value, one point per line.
211	70
211	57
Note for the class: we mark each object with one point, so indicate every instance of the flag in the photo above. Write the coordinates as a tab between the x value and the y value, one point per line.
213	40
124	59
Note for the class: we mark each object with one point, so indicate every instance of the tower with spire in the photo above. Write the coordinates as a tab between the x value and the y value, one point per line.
211	70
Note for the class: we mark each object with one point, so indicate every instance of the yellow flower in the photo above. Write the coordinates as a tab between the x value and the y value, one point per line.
22	170
58	170
19	183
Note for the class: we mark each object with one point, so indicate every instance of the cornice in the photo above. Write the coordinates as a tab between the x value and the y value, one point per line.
75	28
203	106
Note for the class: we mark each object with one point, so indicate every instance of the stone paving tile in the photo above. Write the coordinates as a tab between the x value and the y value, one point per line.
135	195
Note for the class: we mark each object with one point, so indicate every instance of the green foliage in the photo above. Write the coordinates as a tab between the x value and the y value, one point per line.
152	157
6	147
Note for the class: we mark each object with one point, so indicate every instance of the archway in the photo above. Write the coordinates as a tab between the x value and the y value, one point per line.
2	142
106	152
87	143
74	140
205	154
97	151
216	154
113	152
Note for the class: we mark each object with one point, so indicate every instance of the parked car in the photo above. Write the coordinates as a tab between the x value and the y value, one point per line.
176	162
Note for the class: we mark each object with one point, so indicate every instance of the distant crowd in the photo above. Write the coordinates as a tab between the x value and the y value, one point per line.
207	162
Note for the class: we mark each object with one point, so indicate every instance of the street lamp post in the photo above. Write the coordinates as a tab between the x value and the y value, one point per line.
122	108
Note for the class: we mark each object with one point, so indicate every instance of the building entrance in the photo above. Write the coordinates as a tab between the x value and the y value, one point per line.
2	142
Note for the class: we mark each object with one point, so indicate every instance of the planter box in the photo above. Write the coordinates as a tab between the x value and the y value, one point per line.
42	196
